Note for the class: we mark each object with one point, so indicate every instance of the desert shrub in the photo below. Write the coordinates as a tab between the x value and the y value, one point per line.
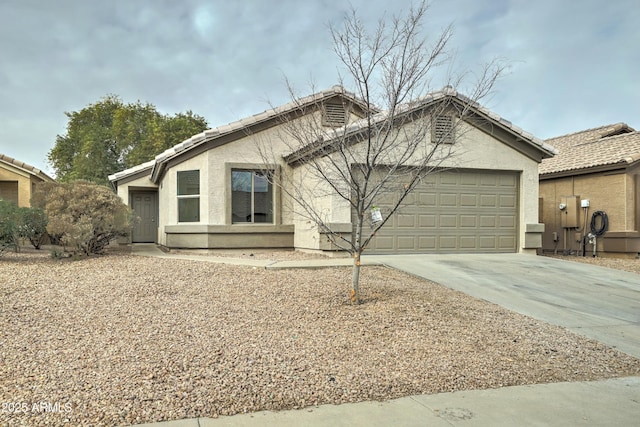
84	216
33	226
9	226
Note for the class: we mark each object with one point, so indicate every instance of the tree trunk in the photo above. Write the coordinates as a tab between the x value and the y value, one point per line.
355	281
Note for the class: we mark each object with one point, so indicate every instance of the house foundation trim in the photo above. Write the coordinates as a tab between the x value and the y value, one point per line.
229	236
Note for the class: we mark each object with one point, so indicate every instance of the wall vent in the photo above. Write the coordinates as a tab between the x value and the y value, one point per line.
442	129
334	115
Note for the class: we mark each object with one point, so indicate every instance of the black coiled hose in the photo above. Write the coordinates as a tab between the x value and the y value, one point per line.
604	223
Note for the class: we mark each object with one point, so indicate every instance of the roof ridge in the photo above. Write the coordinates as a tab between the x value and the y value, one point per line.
26	166
620	125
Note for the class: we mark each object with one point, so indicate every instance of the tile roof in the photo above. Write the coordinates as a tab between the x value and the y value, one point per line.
161	159
616	144
132	171
239	125
432	98
25	167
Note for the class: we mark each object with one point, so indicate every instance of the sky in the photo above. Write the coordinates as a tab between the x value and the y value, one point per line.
572	65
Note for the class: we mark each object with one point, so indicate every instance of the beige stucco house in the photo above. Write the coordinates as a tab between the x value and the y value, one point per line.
595	170
210	191
18	180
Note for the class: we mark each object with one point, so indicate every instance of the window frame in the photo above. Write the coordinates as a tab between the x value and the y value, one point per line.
180	197
275	192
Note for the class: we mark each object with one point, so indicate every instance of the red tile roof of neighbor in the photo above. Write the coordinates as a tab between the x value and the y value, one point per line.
611	145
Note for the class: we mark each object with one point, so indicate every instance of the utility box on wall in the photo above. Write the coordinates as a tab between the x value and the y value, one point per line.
569	211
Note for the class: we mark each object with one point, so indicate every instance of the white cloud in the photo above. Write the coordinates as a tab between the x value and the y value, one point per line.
574	64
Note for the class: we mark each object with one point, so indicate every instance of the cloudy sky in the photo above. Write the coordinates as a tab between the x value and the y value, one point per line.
573	65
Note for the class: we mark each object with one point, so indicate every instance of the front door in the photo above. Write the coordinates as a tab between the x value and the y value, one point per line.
145	229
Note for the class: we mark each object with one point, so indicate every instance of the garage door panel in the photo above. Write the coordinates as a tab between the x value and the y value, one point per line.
406	242
468	242
427	243
448	221
507	222
488	242
427	221
469	180
457	211
508	201
468	221
448	200
468	200
510	181
488	200
506	242
406	221
428	199
448	179
447	242
488	221
383	242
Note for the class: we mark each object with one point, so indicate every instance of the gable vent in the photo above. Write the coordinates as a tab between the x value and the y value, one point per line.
334	115
442	129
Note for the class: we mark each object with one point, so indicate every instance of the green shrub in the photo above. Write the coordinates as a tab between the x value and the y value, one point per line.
33	226
9	226
84	216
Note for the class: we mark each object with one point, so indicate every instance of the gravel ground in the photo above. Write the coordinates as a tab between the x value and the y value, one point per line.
119	339
626	264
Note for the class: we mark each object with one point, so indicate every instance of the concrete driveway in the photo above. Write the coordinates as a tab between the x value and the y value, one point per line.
596	302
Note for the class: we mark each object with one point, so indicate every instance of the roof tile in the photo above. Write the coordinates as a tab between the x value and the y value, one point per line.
605	145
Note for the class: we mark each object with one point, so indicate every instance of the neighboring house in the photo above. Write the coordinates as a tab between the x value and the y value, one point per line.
210	192
601	166
18	180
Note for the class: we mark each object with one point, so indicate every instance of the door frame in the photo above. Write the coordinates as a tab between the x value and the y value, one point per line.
132	194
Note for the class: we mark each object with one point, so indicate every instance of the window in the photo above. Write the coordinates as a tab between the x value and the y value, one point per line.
9	191
442	131
189	196
251	197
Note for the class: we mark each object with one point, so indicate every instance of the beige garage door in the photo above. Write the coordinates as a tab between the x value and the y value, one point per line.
461	211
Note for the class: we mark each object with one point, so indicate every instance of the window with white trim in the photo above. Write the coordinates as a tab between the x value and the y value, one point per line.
189	196
251	196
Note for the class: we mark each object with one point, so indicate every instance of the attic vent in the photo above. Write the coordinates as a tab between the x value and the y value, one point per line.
442	129
334	115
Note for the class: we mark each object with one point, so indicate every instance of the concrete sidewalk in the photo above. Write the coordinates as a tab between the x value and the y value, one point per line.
598	403
614	402
154	251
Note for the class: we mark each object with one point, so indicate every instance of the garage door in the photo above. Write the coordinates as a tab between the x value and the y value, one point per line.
461	211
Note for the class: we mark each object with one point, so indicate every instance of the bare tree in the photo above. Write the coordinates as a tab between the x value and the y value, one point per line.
370	151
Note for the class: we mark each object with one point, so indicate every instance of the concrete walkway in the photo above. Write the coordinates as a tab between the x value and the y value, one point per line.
153	250
596	302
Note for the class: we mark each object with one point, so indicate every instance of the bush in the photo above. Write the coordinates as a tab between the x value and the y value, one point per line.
84	216
9	226
33	226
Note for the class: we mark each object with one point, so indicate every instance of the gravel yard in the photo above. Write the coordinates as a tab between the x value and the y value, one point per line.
119	339
626	264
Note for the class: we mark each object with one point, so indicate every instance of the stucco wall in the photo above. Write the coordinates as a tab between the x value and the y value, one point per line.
168	194
613	193
25	181
474	149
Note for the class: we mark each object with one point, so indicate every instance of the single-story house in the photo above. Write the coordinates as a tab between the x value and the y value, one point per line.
18	180
210	190
596	171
